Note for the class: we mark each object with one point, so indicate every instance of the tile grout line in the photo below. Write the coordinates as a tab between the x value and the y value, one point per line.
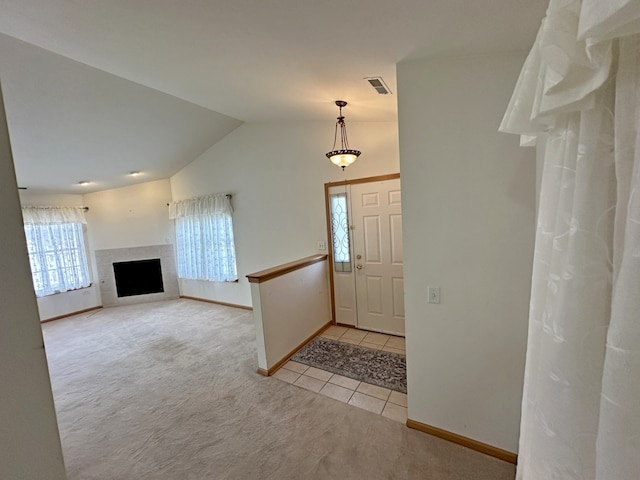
325	382
386	402
338	337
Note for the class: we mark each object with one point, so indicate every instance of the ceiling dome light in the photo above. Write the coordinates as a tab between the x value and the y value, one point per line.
134	173
345	156
84	183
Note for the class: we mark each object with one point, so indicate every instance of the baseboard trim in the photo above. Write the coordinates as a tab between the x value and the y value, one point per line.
206	300
286	358
464	441
78	312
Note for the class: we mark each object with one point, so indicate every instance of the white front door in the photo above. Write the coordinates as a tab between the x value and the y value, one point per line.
367	256
377	241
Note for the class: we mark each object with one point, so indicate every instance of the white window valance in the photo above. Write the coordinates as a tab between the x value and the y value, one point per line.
51	215
218	203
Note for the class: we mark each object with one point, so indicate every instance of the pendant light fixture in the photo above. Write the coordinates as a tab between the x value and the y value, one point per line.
345	156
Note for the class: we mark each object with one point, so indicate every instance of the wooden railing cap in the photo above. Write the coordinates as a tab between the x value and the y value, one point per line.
269	273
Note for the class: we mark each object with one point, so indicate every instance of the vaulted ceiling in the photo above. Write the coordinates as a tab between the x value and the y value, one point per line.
95	89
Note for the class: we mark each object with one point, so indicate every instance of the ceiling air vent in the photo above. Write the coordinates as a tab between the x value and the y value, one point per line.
378	84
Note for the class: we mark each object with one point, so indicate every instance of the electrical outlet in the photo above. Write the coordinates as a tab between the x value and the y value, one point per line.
322	246
434	294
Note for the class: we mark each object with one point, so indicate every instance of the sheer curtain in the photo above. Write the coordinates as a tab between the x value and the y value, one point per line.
205	246
578	93
55	242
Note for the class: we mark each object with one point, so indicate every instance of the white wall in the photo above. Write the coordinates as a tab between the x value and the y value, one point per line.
468	220
276	172
28	197
133	216
29	432
281	327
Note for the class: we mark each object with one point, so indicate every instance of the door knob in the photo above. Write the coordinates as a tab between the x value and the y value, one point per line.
359	267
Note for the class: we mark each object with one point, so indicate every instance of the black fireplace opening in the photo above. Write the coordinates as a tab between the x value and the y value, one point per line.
138	277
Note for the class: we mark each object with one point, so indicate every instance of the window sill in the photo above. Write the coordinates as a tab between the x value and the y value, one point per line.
66	291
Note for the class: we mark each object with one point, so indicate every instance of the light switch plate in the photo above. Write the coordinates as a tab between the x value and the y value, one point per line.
434	294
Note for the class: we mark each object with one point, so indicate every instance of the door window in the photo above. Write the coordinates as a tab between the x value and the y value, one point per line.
340	233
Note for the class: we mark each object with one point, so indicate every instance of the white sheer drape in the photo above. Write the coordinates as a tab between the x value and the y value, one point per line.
205	247
57	253
579	93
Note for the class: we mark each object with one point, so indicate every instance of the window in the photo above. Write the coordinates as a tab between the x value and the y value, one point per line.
340	233
205	248
56	249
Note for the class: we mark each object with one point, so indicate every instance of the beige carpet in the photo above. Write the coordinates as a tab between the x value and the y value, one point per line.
168	390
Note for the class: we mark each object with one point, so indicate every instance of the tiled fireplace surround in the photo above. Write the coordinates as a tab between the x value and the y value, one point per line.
106	258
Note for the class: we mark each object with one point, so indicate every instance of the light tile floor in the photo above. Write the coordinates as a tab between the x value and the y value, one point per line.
378	400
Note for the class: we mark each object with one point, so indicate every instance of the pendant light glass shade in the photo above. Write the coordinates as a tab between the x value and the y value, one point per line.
345	156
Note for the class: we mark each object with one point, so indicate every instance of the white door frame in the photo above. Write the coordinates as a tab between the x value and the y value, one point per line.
327	186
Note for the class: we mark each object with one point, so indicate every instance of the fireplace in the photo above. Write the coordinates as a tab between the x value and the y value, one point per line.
138	277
